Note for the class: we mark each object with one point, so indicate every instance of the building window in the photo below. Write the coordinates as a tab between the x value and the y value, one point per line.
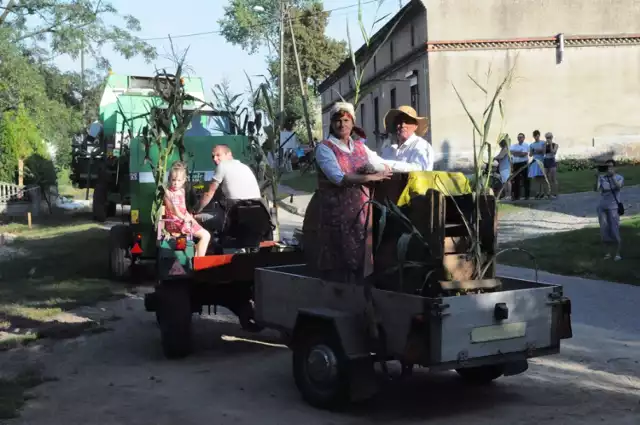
391	50
413	35
393	98
375	65
340	87
415	98
362	115
350	82
376	115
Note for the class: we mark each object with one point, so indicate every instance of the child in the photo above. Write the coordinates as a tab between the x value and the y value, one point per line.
176	209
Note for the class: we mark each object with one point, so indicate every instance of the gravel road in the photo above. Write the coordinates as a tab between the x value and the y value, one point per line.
120	377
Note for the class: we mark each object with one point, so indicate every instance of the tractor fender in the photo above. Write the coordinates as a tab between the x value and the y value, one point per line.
349	328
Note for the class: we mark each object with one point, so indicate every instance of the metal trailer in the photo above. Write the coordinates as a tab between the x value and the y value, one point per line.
481	336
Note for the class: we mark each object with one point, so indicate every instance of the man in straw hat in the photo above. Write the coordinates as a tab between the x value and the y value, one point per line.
408	147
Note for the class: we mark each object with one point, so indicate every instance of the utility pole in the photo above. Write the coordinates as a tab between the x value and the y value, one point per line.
82	89
282	17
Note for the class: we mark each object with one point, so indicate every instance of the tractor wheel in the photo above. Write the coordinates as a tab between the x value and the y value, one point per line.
173	313
100	199
481	375
320	369
112	209
119	244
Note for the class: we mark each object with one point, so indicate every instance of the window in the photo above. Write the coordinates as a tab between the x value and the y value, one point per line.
393	98
413	35
376	115
340	87
415	98
362	115
375	65
391	50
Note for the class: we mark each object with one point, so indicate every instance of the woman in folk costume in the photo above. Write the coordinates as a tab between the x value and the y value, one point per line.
335	227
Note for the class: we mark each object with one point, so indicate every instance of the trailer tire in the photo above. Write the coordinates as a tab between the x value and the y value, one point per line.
119	244
481	375
174	316
317	357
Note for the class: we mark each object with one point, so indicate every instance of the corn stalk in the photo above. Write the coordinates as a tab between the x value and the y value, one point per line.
358	71
271	173
482	129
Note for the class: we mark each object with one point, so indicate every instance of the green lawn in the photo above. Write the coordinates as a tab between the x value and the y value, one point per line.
584	180
580	253
13	391
64	266
305	183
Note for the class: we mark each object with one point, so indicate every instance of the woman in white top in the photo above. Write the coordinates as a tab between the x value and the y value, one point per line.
504	166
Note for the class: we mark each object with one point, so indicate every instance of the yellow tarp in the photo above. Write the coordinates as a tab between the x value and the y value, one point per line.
448	183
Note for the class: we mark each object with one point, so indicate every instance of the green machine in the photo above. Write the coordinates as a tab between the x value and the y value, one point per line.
107	158
113	160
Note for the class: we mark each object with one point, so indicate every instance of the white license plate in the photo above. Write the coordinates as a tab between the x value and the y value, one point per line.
499	332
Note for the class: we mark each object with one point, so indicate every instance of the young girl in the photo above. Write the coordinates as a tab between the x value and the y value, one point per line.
176	209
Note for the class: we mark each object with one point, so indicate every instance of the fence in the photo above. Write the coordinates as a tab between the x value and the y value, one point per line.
16	200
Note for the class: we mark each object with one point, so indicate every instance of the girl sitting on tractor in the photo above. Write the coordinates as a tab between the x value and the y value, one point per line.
179	220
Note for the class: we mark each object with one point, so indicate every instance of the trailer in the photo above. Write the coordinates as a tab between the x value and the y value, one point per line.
435	317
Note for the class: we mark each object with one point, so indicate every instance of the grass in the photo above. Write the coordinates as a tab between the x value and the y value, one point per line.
304	183
65	267
13	391
580	253
584	180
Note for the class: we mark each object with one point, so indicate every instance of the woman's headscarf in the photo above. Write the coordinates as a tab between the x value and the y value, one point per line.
341	108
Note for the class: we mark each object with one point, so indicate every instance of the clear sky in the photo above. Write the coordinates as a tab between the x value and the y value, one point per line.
210	56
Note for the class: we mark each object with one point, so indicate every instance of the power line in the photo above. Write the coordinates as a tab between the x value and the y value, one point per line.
196	34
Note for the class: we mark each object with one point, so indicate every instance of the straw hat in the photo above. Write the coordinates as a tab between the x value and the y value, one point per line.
343	107
423	123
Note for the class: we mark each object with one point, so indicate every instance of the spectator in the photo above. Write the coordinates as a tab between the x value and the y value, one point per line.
609	184
550	165
520	159
504	166
536	168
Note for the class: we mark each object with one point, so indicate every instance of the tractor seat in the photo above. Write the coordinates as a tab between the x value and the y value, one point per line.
248	223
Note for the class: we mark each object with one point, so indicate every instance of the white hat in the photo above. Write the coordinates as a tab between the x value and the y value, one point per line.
548	135
343	107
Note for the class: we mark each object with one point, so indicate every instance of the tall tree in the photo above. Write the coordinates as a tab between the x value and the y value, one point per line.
72	26
319	55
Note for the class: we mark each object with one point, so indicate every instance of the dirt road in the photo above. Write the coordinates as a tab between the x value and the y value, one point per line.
120	377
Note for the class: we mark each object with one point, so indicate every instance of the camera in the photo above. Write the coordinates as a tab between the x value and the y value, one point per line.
603	168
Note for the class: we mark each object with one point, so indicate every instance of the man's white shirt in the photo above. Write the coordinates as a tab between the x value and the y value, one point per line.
415	154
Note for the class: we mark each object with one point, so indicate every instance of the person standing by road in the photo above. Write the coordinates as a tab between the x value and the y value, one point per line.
520	160
504	166
609	184
536	168
550	164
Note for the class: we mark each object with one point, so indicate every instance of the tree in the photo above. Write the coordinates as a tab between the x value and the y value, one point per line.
319	55
72	26
19	139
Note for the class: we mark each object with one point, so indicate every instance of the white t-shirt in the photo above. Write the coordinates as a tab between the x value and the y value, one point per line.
237	180
524	147
416	152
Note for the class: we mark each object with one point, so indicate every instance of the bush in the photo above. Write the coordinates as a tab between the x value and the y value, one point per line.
580	164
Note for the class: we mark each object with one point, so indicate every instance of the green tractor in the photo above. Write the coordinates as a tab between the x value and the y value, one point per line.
120	163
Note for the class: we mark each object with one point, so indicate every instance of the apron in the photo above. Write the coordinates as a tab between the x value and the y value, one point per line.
342	219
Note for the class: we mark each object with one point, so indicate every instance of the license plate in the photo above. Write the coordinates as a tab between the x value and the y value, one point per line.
499	332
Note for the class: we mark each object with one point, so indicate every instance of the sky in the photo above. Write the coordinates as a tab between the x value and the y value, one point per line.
210	56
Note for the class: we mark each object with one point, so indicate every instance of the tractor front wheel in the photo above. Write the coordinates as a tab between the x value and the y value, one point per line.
174	314
119	257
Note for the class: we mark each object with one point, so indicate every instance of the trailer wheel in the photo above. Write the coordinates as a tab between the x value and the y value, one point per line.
481	375
173	313
119	244
320	369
